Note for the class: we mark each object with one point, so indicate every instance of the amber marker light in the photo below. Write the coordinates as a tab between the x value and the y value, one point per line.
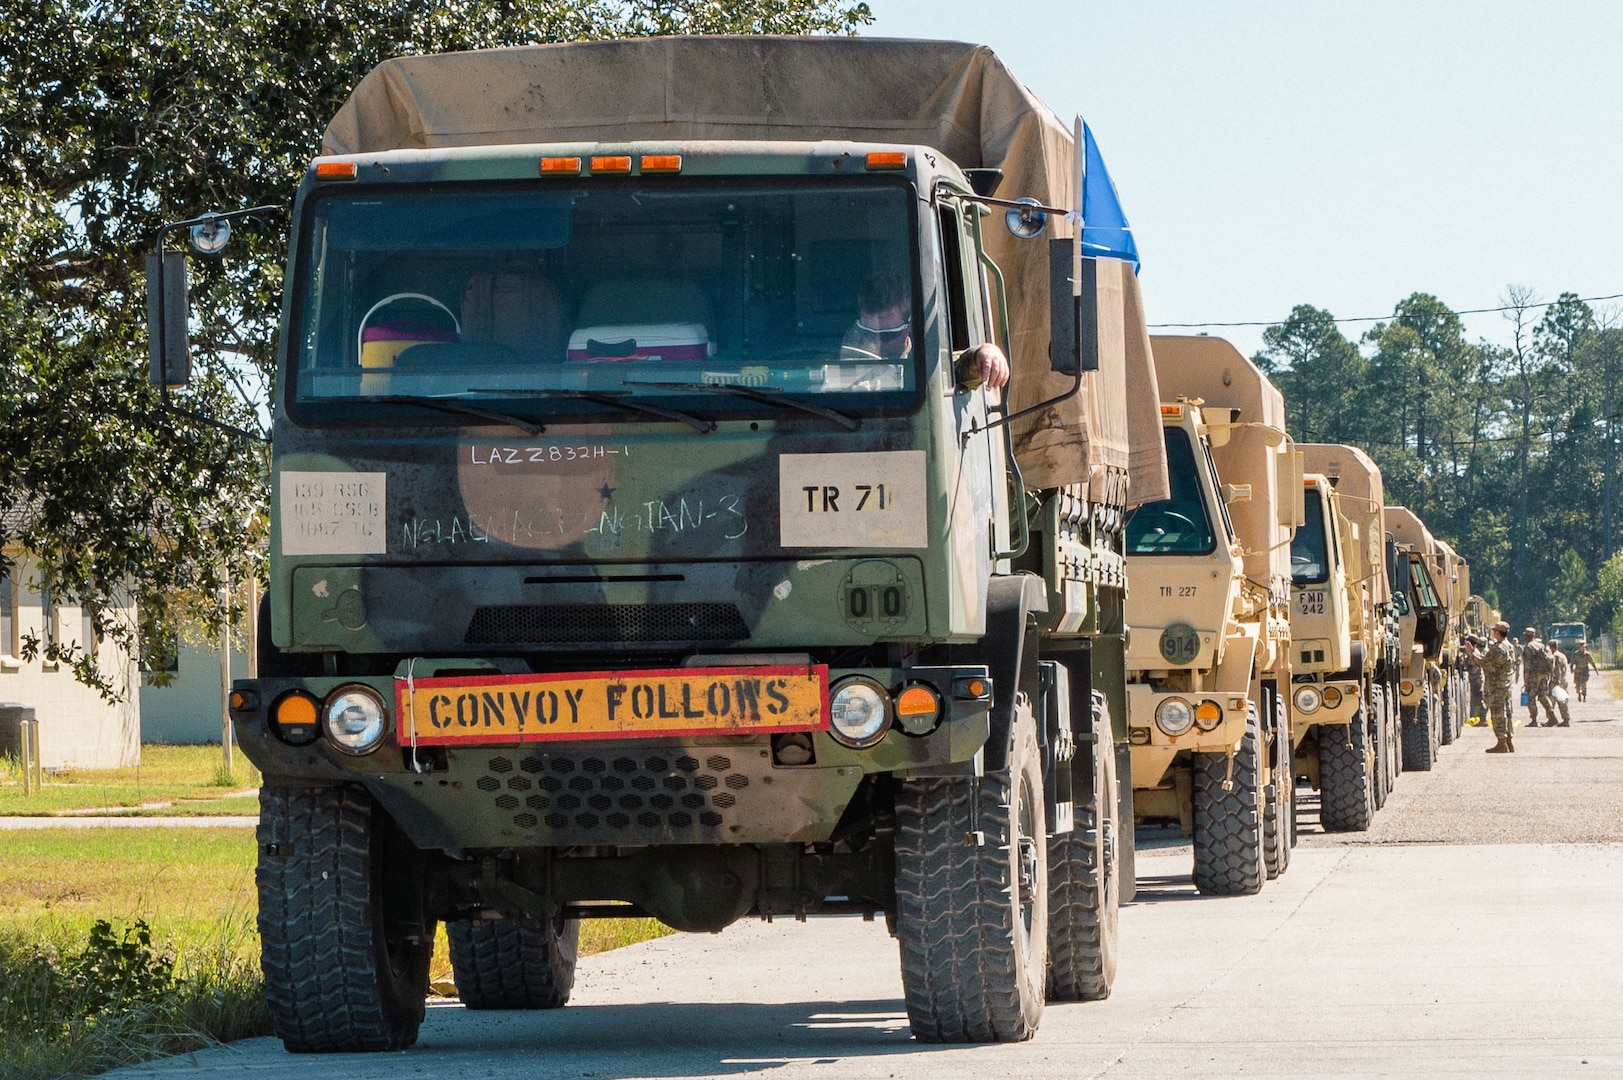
1172	410
294	718
660	163
1208	715
612	163
337	170
918	709
972	688
560	166
887	159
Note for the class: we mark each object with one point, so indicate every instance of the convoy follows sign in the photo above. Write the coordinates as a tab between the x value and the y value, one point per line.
505	709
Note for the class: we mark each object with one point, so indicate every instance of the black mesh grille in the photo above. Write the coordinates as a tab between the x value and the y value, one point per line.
617	798
592	624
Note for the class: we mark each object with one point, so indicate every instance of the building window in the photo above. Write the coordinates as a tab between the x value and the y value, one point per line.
9	643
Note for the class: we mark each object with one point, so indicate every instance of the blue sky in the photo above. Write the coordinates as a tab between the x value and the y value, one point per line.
1339	154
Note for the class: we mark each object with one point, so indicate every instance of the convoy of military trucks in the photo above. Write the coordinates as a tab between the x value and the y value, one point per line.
653	534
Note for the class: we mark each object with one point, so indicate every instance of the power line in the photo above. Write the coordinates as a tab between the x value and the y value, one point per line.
1384	318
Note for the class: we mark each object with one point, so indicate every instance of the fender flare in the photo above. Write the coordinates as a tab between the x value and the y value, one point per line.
1010	649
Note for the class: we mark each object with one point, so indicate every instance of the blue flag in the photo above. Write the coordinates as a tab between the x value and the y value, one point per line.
1105	232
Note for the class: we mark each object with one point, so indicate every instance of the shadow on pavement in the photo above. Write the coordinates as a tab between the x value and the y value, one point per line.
674	1039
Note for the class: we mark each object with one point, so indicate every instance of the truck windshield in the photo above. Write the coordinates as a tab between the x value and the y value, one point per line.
1309	562
553	300
1179	525
1425	592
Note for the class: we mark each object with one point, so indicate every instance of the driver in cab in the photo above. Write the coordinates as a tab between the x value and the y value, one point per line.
884	331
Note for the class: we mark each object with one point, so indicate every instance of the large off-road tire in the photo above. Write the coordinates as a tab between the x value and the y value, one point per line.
972	899
1376	732
1084	890
500	964
1419	748
1347	777
1447	712
1395	717
338	977
1228	824
1279	809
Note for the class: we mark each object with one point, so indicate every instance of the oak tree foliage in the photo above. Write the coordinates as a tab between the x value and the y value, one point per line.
117	117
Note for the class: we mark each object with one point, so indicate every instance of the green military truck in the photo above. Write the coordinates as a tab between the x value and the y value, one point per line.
1344	640
643	543
1567	635
1423	621
1209	654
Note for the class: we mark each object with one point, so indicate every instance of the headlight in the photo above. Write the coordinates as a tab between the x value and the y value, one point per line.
355	719
1332	697
1307	699
1174	716
1208	715
859	712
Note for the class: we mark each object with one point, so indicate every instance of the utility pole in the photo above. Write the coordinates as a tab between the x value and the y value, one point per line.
225	675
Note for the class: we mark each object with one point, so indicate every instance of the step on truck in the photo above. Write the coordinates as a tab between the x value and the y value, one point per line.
1208	654
1423	635
645	540
1344	639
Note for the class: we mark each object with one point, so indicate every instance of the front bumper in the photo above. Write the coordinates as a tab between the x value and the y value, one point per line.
623	792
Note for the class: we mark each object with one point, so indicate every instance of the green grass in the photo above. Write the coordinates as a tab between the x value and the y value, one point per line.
170	781
77	999
193	889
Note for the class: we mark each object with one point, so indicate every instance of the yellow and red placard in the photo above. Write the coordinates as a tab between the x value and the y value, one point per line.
504	709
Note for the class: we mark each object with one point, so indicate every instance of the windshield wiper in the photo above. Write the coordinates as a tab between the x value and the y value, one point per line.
621	399
455	407
771	396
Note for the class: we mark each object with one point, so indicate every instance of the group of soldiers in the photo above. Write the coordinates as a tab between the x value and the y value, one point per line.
1545	671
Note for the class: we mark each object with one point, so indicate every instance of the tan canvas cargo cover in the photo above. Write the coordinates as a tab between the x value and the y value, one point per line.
1215	371
957	98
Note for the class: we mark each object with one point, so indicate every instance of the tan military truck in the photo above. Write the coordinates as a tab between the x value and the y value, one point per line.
1208	655
1344	640
1480	617
1455	573
1423	632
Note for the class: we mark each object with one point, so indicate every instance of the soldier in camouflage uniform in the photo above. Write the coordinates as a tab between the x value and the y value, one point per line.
1475	679
1536	670
1496	659
1558	681
1583	662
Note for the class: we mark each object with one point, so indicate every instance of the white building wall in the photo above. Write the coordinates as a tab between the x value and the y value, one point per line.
188	709
78	728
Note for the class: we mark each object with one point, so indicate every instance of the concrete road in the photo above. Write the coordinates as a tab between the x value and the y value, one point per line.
1473	932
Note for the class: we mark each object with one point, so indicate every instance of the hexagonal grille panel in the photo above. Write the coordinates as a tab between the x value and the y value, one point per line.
617	798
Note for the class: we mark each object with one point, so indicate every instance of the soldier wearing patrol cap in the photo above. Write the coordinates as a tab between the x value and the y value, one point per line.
1536	672
1497	659
1583	662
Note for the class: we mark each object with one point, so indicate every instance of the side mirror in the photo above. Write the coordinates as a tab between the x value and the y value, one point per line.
1073	322
167	311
